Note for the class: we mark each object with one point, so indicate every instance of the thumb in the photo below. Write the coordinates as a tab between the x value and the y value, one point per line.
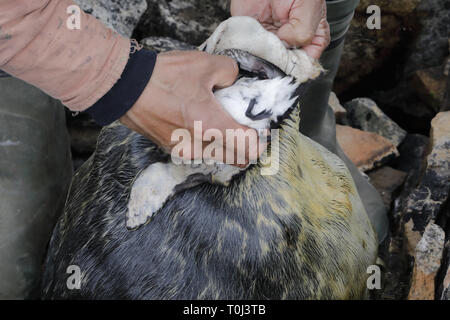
224	71
304	20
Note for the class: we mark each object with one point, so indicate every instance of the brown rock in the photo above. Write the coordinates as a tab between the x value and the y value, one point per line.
446	286
398	7
431	86
365	51
367	150
428	257
387	181
338	109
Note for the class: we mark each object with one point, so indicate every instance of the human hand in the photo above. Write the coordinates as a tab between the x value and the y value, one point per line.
299	23
180	92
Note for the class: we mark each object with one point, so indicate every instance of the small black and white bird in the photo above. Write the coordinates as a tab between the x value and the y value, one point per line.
263	94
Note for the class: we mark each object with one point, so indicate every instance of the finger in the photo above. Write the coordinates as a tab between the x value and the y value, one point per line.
320	41
252	8
281	10
224	71
304	19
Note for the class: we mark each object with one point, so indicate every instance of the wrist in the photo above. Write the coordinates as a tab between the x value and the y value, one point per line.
127	90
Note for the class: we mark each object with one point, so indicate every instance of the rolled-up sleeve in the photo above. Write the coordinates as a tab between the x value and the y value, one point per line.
76	66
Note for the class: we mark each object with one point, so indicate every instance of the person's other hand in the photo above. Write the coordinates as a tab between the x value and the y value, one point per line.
299	23
180	92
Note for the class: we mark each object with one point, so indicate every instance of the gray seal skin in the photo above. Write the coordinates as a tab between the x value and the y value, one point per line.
300	234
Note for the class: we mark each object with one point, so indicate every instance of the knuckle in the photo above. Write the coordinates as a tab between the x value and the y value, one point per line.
235	68
306	37
203	58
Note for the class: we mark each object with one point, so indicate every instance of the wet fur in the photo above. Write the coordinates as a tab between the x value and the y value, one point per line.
300	234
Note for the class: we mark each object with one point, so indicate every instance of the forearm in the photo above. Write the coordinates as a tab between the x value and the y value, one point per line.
77	67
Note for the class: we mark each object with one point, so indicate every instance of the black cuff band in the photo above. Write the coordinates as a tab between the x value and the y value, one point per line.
127	90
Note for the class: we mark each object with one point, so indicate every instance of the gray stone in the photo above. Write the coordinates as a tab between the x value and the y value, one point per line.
120	15
428	255
444	287
431	45
364	114
446	292
191	21
162	44
430	248
412	160
429	199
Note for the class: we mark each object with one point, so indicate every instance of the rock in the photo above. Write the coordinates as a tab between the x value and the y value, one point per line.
440	139
367	51
387	181
367	150
364	114
398	7
397	278
444	289
83	132
412	153
339	111
431	86
162	44
406	108
413	36
120	15
83	140
428	255
429	199
446	292
446	103
430	47
191	21
411	160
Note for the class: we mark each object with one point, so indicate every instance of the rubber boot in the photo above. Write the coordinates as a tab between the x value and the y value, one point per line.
318	120
35	174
